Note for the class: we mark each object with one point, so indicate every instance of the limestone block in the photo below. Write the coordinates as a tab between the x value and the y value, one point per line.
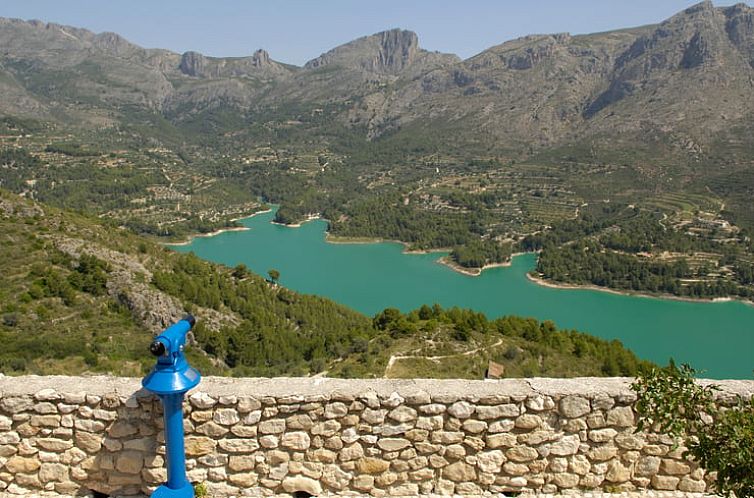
274	426
433	409
154	475
334	443
54	421
521	454
468	489
461	409
296	441
299	422
393	400
503	440
45	408
595	420
539	403
202	400
690	485
617	473
446	437
602	453
335	410
622	416
247	404
574	406
129	462
474	426
497	411
18	465
393	444
253	417
475	443
269	441
558	465
10	438
49	472
490	461
245	480
445	487
370	465
528	421
417	435
363	483
459	472
505	425
28	481
430	423
568	445
579	464
106	415
335	478
239	463
199	445
322	455
327	428
226	416
565	480
16	404
87	425
602	435
674	467
293	484
647	466
666	483
393	430
402	414
212	429
54	444
351	452
371	416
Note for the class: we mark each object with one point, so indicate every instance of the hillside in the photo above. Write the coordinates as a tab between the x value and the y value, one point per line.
82	296
387	140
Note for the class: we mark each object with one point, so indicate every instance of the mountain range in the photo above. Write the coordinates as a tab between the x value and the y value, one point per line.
663	81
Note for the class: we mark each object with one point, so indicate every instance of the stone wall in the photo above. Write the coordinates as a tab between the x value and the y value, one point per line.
384	437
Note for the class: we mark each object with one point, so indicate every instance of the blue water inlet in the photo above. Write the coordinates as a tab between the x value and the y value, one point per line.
170	378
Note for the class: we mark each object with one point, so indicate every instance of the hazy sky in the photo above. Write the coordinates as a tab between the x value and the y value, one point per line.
295	31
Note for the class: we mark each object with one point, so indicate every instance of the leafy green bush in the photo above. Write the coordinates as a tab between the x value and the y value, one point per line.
721	440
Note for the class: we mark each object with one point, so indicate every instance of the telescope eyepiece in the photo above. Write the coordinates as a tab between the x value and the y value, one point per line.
157	348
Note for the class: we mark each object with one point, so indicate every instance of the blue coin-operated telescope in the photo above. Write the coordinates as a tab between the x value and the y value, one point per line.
170	378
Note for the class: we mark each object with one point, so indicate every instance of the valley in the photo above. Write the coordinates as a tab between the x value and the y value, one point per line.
623	158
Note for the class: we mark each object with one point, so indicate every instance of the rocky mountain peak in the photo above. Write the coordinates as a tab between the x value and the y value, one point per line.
260	58
398	48
385	52
192	63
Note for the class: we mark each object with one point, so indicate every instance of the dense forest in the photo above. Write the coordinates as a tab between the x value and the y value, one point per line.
628	248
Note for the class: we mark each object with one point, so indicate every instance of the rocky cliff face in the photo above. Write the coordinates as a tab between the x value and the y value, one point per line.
199	66
387	52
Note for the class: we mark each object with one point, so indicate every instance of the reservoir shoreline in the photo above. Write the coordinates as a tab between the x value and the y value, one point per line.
662	296
190	238
470	272
712	336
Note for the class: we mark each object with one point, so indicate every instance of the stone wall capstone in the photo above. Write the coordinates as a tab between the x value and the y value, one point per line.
318	435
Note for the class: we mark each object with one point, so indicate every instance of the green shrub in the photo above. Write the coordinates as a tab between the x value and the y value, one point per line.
722	441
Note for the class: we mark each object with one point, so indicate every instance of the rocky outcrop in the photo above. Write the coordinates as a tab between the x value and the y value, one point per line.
388	52
380	437
259	64
127	284
193	64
